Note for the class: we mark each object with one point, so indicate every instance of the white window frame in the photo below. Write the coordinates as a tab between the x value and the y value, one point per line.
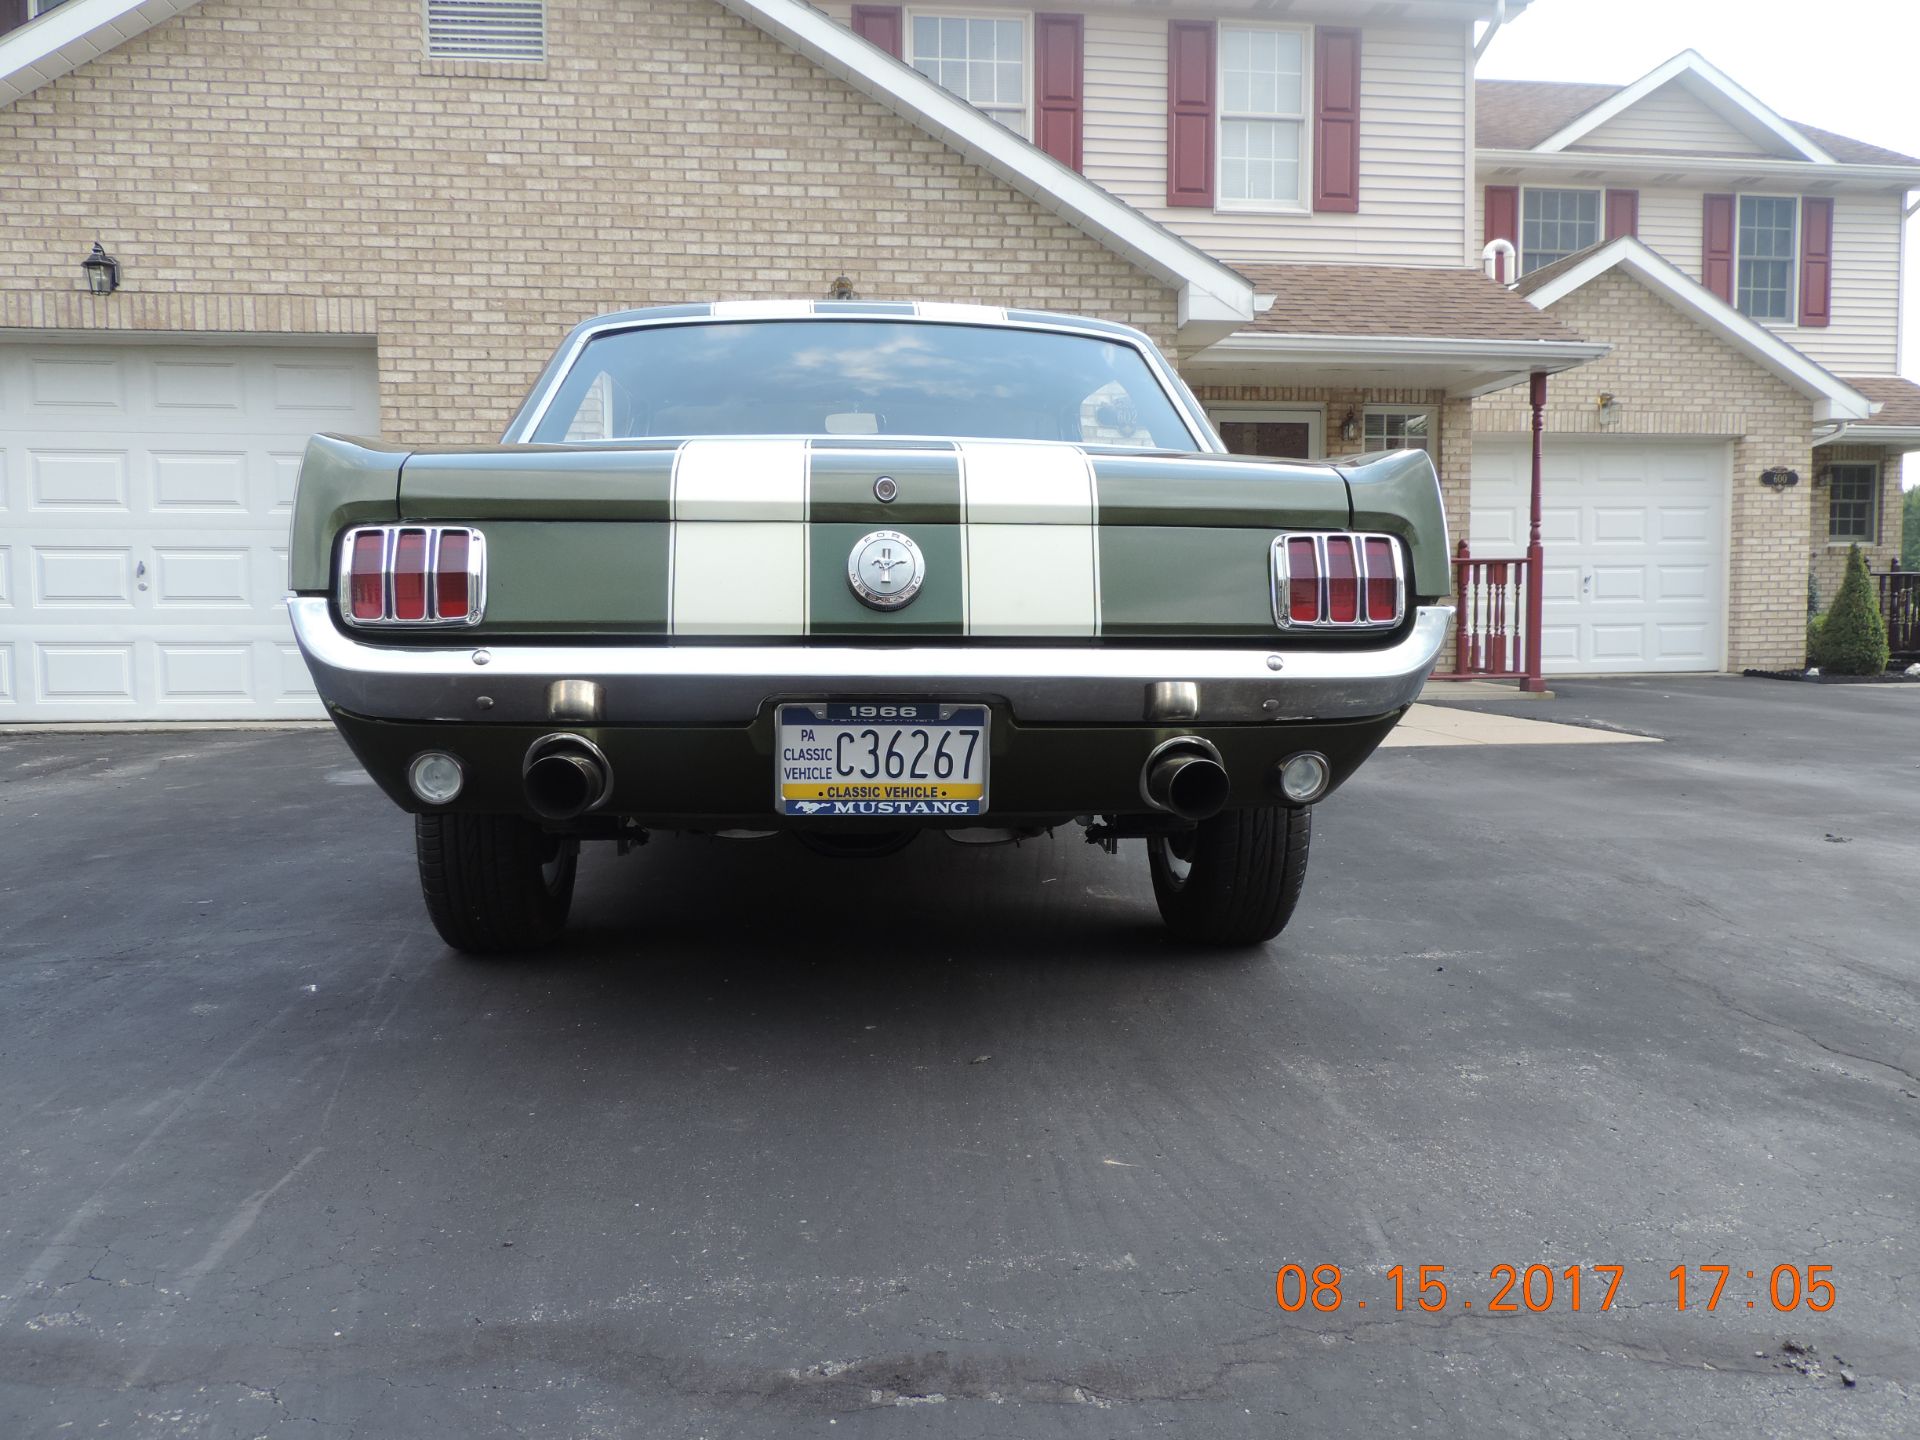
1520	217
962	12
37	8
1304	203
1425	412
1875	494
1314	417
1793	261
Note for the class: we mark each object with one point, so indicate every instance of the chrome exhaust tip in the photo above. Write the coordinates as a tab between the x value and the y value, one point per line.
1184	777
566	776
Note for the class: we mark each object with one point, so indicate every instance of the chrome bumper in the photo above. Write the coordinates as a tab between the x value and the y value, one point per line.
510	683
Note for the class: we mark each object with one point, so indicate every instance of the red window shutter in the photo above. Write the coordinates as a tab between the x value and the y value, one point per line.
1190	113
1816	261
1623	213
1716	246
882	25
1503	221
1336	127
1057	86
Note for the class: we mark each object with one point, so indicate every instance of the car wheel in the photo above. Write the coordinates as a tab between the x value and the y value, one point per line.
1234	879
494	882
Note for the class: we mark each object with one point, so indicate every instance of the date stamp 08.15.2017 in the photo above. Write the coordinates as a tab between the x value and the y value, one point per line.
1537	1289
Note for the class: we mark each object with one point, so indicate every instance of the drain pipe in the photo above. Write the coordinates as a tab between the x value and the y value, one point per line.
1493	28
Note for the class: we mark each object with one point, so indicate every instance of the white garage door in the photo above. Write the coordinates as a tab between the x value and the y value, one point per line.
1635	534
145	492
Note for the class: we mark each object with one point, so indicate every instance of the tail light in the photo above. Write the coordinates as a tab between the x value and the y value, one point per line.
1337	581
413	575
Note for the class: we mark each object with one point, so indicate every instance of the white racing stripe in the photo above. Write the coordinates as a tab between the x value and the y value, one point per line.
967	314
739	543
1031	545
761	309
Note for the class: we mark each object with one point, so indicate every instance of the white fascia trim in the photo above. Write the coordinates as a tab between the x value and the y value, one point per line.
1213	298
1691	64
1549	355
1489	164
62	40
1834	398
1894	437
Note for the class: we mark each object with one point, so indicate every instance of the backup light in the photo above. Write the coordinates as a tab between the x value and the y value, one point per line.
435	777
412	575
1304	777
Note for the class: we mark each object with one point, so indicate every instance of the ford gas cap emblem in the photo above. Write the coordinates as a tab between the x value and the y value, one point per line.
884	489
885	569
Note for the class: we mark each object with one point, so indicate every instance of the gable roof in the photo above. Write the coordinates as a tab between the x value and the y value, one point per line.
1213	299
1691	69
1834	398
1528	114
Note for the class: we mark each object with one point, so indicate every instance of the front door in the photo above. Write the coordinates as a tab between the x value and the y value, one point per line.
1281	434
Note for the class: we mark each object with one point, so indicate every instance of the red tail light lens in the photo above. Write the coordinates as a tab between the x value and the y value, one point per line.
410	576
450	585
1343	581
366	597
1303	580
1383	590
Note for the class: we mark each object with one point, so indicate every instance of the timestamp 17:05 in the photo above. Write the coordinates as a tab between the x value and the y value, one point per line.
1540	1288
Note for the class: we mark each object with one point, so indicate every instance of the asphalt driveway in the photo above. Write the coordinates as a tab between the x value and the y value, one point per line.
785	1146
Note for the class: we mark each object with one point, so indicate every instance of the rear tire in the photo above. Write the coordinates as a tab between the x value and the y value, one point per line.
494	883
1232	880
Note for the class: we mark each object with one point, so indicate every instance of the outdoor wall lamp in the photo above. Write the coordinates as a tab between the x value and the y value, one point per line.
1350	427
103	271
841	289
1779	477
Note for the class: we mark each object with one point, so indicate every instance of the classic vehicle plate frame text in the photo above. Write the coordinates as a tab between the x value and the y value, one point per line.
863	758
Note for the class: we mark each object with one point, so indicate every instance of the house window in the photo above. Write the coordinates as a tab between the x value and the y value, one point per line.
1768	227
487	30
980	58
41	7
1263	117
1852	495
1399	430
1555	224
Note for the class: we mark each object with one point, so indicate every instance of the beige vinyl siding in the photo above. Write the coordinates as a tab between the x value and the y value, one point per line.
1866	270
1413	147
838	11
1672	120
1862	337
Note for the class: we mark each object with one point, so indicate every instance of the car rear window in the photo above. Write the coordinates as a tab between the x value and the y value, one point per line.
862	377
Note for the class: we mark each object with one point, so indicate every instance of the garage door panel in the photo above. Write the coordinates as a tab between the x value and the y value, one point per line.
1635	537
78	479
144	568
203	483
79	672
76	381
1619	525
92	577
190	672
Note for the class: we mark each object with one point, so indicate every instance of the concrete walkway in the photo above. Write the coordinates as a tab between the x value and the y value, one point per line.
1446	725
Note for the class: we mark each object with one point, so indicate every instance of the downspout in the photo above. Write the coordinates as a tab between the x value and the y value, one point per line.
1493	29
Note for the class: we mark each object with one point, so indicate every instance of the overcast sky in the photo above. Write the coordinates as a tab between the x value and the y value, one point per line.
1843	65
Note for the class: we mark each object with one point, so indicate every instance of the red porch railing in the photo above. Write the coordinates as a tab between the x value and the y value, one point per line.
1900	605
1490	619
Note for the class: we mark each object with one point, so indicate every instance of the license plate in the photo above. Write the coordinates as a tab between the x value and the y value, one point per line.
881	758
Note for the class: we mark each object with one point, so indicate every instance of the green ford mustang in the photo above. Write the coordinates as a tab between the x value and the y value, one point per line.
853	571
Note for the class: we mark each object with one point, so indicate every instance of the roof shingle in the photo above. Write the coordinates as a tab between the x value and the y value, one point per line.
1899	398
1389	300
1520	114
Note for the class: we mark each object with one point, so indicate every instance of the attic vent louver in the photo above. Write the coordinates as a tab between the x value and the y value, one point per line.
487	29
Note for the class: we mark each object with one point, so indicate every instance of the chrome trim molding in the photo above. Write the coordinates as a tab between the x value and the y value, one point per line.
389	542
1282	604
731	684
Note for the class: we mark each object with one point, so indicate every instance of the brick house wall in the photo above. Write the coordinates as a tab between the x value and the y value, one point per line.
284	167
1725	394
